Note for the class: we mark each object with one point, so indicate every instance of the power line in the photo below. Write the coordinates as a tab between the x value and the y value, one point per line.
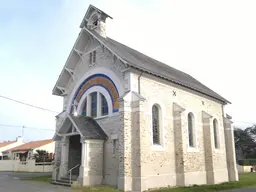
30	105
25	127
245	122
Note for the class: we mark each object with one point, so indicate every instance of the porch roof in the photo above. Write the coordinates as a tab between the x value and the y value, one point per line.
87	127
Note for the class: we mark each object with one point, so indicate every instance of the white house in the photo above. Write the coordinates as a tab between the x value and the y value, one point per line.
27	150
8	145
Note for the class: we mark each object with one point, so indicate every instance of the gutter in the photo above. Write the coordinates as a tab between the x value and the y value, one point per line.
139	81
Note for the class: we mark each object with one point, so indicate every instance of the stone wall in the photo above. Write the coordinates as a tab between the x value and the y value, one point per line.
105	61
111	127
27	166
159	161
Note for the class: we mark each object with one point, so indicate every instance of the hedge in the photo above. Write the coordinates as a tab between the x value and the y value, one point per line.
249	162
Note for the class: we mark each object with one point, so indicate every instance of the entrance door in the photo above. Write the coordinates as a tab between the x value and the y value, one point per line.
75	149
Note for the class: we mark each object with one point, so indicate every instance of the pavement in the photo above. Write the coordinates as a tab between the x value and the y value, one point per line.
10	182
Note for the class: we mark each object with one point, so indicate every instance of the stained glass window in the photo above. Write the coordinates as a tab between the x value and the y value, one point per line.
190	130
104	105
84	108
155	125
215	133
94	104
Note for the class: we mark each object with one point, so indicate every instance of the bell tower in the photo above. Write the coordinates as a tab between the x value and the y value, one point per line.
95	20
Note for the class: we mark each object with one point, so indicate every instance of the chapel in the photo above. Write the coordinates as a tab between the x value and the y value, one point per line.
134	123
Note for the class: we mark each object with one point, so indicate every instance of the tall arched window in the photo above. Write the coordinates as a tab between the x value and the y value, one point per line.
104	105
191	130
94	104
155	124
215	133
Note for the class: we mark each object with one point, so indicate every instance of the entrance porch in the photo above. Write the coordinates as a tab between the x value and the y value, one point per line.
81	151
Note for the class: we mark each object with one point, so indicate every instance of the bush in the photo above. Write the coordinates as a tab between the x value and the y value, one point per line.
247	162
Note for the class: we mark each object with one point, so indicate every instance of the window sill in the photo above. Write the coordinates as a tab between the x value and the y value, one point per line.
192	149
156	147
101	117
217	150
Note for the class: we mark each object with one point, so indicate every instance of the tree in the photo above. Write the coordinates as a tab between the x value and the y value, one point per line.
42	156
245	143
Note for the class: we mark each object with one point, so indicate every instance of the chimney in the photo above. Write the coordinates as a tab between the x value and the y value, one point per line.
19	139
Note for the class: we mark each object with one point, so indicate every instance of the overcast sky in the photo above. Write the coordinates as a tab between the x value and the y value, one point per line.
214	41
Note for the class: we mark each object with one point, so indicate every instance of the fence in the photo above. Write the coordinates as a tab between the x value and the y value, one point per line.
25	166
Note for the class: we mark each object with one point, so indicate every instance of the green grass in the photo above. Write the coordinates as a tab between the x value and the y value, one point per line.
45	179
245	180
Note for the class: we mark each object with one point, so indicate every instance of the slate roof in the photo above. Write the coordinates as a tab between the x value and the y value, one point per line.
30	145
88	127
145	63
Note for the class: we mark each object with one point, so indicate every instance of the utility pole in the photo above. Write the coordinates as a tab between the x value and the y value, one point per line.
23	131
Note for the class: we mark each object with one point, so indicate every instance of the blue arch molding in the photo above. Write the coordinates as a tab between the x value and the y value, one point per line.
94	76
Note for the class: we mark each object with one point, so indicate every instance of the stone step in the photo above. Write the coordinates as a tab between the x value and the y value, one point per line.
64	181
73	178
58	182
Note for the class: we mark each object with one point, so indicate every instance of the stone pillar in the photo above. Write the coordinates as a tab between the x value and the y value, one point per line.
84	161
125	170
91	169
208	147
179	143
230	150
64	157
132	140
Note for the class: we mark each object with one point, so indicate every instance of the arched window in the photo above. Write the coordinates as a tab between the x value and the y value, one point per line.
104	105
94	104
191	130
84	108
215	133
155	124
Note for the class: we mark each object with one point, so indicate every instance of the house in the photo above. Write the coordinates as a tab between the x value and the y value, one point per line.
28	150
8	145
135	123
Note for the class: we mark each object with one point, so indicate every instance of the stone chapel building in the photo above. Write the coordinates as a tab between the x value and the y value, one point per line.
135	123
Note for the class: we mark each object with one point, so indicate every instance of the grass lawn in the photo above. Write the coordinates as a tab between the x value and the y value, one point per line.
246	180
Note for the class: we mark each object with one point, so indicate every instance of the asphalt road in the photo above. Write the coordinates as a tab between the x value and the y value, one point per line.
10	182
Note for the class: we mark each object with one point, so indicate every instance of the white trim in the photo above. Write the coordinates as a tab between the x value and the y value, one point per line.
97	89
97	70
105	45
67	61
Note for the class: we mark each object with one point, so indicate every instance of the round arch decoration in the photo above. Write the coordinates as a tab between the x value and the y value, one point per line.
98	80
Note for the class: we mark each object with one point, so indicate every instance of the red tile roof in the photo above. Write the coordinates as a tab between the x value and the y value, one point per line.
30	145
3	144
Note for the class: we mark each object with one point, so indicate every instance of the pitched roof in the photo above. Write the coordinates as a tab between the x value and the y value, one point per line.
3	144
87	127
30	145
145	63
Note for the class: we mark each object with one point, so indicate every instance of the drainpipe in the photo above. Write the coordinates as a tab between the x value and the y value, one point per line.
139	81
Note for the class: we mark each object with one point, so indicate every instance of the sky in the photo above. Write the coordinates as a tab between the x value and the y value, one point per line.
214	41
